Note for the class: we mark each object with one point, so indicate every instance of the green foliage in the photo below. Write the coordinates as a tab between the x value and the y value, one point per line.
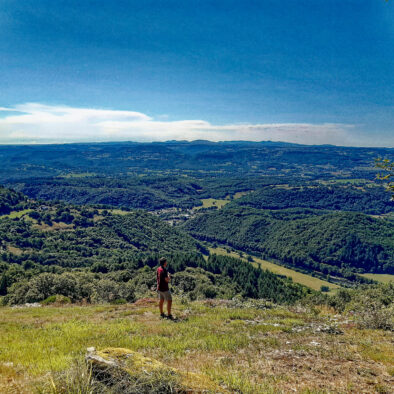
198	283
3	284
58	299
78	161
388	173
11	201
77	286
114	241
256	283
374	306
371	200
119	301
179	174
332	243
194	277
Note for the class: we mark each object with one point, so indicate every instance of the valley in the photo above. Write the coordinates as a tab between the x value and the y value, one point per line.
282	261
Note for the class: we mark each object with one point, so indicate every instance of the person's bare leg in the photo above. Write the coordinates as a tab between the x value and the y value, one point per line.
161	303
169	304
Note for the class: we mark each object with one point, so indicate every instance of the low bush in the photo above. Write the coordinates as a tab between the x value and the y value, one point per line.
56	299
75	286
373	307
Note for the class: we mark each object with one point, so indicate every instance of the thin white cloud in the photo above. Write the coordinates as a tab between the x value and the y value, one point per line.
34	122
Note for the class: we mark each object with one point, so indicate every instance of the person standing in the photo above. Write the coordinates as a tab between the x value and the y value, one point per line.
163	278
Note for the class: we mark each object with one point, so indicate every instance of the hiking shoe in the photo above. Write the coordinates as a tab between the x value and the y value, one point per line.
170	317
163	315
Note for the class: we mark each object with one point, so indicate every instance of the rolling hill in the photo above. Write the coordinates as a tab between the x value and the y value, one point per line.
330	242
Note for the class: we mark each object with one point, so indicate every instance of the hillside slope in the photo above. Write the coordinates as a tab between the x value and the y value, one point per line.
73	240
99	255
324	241
11	200
370	200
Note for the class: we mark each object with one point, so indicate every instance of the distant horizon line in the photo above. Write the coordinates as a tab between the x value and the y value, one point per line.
53	143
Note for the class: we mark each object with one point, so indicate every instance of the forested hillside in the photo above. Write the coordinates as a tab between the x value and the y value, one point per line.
99	255
197	157
72	238
368	199
332	243
11	200
142	191
74	209
126	192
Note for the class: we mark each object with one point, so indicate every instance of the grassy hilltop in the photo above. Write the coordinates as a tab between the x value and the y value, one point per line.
248	347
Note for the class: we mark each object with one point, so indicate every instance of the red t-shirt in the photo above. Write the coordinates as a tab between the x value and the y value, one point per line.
162	274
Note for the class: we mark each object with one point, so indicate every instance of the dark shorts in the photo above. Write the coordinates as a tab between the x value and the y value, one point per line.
164	295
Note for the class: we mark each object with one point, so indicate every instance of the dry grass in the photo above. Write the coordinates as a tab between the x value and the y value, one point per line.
212	202
241	194
14	250
55	226
249	350
384	278
116	211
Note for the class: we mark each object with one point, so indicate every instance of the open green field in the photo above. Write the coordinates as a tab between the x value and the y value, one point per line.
115	211
241	194
298	277
212	202
245	349
384	278
16	214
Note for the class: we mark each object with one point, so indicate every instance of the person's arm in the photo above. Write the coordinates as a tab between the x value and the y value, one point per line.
168	278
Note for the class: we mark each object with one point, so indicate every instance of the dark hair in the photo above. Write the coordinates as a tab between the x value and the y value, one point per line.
162	260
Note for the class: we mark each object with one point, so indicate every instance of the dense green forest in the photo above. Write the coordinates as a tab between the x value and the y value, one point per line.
332	243
100	255
179	174
144	192
68	237
126	192
11	200
106	212
194	277
368	199
197	157
160	192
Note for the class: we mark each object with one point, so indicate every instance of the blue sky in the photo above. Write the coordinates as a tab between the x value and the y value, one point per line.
308	71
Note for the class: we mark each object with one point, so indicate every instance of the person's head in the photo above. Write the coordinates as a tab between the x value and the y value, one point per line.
163	262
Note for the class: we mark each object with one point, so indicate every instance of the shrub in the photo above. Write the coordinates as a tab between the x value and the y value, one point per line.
119	301
341	299
75	286
58	299
373	307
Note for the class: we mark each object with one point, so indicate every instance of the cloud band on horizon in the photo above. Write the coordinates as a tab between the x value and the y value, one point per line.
39	123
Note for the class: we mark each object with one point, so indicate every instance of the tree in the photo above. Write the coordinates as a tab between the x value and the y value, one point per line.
388	173
3	285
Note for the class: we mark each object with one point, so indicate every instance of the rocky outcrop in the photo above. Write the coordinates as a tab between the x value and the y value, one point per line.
126	371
